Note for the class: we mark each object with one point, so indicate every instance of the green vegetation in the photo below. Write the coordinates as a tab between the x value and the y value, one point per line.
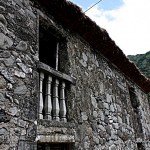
142	61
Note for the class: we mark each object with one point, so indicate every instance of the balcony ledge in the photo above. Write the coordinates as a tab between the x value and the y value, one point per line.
55	73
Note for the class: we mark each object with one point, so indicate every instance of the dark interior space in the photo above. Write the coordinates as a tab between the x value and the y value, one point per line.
135	116
47	47
54	146
133	98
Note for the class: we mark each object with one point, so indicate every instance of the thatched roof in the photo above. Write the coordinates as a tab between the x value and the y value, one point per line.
72	17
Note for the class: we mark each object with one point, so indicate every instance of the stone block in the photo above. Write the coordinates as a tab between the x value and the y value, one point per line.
113	147
3	20
13	111
94	102
5	41
2	82
21	89
84	57
22	46
106	105
3	135
108	129
84	116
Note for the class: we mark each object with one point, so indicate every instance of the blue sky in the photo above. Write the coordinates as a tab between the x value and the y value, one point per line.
104	4
126	21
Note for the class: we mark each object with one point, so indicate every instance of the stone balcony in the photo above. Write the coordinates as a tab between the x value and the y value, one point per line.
52	93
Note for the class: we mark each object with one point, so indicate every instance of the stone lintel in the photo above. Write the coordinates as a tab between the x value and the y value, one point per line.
57	138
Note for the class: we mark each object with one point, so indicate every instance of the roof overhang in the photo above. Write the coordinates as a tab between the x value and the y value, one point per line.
72	17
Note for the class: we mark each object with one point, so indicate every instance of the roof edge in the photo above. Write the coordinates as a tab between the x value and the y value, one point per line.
72	17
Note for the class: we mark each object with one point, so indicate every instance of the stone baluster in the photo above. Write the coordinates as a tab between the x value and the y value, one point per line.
62	103
41	96
48	101
55	108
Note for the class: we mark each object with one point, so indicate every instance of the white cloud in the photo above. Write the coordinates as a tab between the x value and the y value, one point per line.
128	26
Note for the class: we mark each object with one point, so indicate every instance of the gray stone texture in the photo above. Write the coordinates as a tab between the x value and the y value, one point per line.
17	93
100	114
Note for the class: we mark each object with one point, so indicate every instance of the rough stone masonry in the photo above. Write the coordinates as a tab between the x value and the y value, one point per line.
105	109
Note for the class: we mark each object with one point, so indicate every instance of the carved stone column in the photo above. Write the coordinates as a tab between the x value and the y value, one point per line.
41	96
55	101
48	100
62	103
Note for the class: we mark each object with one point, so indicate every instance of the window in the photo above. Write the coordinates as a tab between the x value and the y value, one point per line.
133	98
53	47
53	68
48	48
136	116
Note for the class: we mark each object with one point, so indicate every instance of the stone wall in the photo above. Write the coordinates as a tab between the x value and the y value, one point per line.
18	77
101	104
99	109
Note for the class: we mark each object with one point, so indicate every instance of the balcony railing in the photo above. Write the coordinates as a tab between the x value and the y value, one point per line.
52	90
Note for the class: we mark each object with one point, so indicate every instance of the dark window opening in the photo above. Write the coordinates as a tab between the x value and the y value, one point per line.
53	52
55	146
133	98
53	46
48	48
140	146
136	115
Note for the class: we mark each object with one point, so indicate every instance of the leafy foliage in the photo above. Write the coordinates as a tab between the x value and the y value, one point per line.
142	61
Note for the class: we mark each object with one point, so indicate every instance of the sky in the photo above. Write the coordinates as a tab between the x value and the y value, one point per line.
126	21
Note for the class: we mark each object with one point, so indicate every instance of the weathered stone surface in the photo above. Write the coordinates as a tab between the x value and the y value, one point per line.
5	54
94	102
2	82
95	114
101	128
9	86
108	130
2	97
3	135
13	111
3	28
30	13
22	123
25	145
9	61
5	41
84	57
3	20
20	74
84	116
99	110
112	147
2	8
96	140
6	74
20	89
83	63
24	67
106	105
22	46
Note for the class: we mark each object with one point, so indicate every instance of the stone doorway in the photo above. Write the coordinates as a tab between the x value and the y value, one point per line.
55	146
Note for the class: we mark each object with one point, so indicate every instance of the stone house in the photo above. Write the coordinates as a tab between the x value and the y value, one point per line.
64	83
